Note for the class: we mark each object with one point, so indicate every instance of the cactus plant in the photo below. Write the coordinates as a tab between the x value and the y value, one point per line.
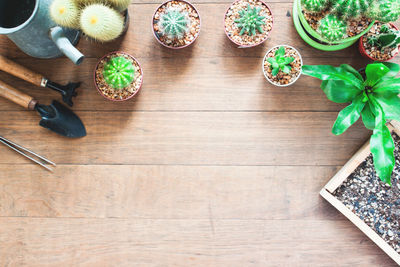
315	6
250	21
350	8
174	23
65	13
280	62
385	10
120	5
118	72
332	28
387	38
101	22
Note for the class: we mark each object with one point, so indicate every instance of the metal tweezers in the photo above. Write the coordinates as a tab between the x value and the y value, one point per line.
28	154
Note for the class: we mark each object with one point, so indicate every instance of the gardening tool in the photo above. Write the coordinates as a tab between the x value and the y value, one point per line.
67	91
28	24
55	117
42	161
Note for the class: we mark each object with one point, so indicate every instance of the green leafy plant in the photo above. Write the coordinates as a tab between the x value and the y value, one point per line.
279	62
118	72
373	98
332	28
387	38
250	21
65	13
174	23
315	6
350	8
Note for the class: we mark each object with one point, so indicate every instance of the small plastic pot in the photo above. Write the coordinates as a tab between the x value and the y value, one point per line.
364	53
97	87
247	46
155	34
265	74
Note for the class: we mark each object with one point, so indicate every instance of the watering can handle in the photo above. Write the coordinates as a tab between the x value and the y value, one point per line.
16	96
19	71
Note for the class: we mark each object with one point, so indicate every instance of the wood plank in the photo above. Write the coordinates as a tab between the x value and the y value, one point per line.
194	138
212	41
211	242
165	192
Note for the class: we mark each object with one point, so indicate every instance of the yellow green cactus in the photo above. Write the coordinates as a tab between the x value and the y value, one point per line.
65	13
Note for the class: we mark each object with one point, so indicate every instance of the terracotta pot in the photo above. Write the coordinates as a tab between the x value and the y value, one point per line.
363	51
247	46
98	89
155	34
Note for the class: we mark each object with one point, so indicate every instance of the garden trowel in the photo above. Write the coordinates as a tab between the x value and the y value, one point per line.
55	117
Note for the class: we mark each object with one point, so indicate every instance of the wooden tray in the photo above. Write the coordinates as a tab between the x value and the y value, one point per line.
340	177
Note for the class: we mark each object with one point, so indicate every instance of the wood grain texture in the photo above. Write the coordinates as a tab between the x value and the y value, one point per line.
209	165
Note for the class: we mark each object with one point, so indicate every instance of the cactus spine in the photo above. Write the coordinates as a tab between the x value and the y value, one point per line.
250	21
118	72
387	38
174	23
315	6
385	10
120	5
101	22
350	8
65	13
332	28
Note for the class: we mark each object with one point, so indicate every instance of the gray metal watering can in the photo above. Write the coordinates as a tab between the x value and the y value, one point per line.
28	24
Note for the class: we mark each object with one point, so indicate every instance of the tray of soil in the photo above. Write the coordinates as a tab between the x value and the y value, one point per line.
118	76
282	65
372	205
329	23
248	22
381	43
176	24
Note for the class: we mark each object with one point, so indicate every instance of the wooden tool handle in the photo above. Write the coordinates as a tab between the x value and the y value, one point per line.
19	71
9	92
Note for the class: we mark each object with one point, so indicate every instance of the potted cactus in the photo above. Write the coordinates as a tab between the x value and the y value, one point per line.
282	65
118	76
101	20
381	43
176	24
248	23
337	24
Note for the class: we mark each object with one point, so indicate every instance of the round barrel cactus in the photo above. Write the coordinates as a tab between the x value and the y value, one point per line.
332	28
119	72
65	13
174	23
315	6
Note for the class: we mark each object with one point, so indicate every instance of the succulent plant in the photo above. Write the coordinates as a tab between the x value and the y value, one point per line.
250	21
118	72
315	5
280	62
350	8
120	5
387	38
332	28
101	22
65	13
385	10
174	23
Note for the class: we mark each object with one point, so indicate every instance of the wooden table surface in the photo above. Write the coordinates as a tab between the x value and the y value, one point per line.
209	166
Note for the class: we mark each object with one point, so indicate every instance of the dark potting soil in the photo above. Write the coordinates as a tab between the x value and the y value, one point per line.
373	201
15	12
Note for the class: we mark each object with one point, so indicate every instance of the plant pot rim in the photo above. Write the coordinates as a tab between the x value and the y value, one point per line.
253	45
175	47
317	36
97	65
263	68
363	51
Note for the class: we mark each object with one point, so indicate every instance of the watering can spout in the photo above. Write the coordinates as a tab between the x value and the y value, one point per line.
65	46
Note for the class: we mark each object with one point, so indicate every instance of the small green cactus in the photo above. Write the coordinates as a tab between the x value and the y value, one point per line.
250	21
385	10
65	13
174	23
332	28
120	5
387	38
350	8
118	72
280	62
315	6
101	22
